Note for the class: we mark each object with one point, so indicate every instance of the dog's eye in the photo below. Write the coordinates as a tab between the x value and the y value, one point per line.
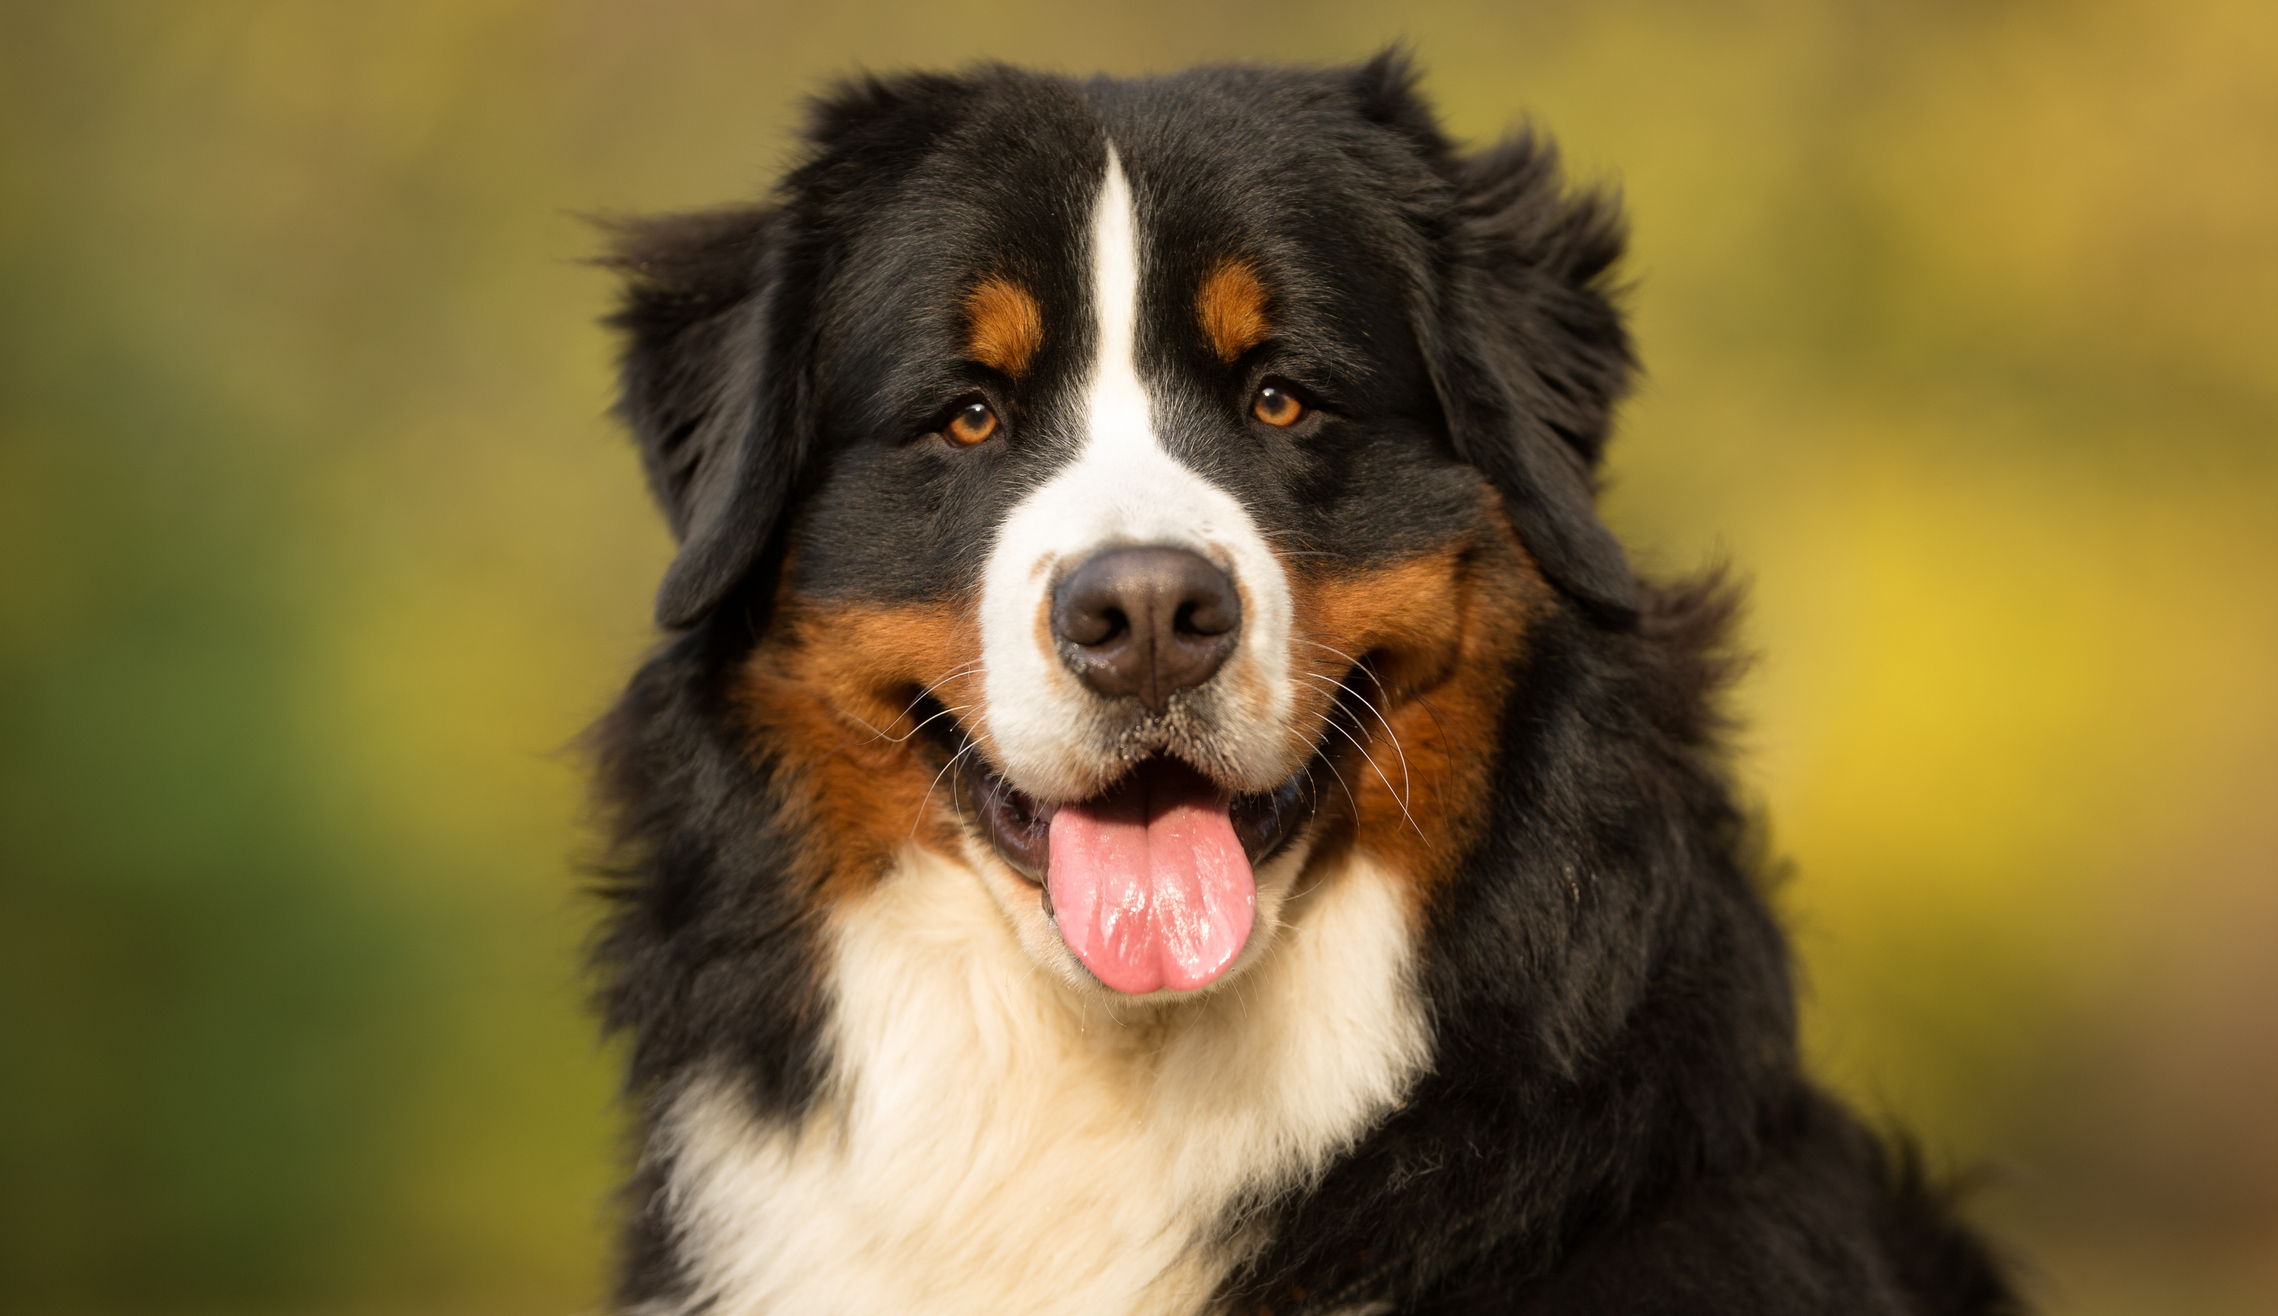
972	424
1277	406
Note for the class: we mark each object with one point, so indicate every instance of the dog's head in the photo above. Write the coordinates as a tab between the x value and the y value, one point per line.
1167	469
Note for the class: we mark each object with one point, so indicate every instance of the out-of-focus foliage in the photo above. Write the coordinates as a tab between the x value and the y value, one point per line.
316	547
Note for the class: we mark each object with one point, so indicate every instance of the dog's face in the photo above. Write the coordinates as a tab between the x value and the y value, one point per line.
1140	485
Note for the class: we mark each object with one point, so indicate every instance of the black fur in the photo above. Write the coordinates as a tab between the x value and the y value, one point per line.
1615	1119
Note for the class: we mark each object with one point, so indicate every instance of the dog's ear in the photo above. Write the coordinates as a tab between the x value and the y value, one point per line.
1529	356
716	349
709	403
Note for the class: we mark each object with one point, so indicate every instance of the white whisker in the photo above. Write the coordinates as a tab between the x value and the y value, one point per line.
1407	785
1407	788
970	746
908	708
1332	722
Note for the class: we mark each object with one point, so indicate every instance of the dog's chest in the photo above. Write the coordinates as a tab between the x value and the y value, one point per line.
995	1142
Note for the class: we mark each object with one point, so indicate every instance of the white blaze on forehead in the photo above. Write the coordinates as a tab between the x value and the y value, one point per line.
1123	487
1116	407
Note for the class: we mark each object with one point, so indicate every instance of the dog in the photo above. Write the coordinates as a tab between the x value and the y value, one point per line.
1160	794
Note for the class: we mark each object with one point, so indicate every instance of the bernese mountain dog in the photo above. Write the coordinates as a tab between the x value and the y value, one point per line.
1161	795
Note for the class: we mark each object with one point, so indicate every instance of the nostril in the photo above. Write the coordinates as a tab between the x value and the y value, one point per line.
1208	616
1085	620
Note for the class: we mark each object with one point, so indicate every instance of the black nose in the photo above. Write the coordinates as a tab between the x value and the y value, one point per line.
1145	622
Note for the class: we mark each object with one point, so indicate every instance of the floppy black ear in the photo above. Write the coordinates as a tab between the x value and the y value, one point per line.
715	317
708	399
1530	356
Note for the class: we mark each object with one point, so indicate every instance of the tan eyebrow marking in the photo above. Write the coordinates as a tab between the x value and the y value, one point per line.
1004	326
1232	307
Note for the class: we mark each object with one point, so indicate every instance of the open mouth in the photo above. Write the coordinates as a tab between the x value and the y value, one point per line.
1151	883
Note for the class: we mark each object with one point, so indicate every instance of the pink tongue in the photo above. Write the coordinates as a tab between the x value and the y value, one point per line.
1149	884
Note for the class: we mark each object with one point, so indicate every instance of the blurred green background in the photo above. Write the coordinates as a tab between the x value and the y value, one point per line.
316	546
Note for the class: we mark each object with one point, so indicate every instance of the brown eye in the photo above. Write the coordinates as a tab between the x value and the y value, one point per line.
1276	406
971	425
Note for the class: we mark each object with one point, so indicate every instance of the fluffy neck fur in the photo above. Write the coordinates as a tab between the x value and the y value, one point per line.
987	1139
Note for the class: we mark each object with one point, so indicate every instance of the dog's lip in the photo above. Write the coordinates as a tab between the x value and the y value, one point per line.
1018	825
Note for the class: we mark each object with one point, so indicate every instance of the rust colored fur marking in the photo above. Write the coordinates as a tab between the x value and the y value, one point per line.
832	695
1003	326
1232	308
1430	643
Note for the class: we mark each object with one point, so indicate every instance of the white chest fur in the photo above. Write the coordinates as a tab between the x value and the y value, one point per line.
992	1141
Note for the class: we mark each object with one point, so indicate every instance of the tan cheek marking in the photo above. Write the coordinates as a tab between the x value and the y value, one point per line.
1442	633
1003	326
1232	308
828	693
